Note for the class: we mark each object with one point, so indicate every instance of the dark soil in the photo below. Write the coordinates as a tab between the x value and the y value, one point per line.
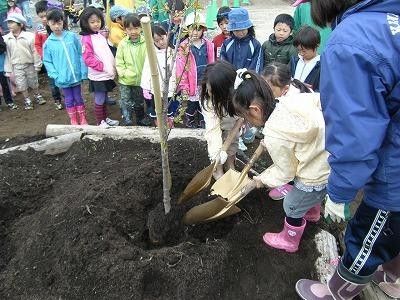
76	226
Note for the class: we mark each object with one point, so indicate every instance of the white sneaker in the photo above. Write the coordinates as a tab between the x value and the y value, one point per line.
112	122
104	124
242	146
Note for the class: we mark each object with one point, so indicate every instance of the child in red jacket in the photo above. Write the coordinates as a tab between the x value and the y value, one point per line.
40	38
222	20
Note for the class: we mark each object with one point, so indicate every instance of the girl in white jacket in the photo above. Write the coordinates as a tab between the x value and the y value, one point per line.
294	135
164	58
217	108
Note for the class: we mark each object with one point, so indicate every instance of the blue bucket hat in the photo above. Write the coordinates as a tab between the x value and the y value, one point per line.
118	11
239	19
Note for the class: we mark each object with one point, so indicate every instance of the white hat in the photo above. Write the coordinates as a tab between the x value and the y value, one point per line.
18	18
195	18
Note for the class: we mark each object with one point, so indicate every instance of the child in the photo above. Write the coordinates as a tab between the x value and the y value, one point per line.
116	30
306	66
3	79
294	131
130	58
161	44
280	47
216	94
22	59
40	38
242	49
302	17
13	8
278	78
100	61
194	53
62	57
222	20
176	17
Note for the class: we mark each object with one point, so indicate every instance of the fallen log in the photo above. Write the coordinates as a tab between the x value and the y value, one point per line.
50	146
130	132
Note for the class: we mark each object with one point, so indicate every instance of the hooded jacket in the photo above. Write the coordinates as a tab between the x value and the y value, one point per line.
278	52
62	57
129	61
243	53
294	136
360	92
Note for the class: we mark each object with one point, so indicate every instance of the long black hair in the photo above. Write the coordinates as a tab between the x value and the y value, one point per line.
253	88
220	75
278	74
84	19
325	11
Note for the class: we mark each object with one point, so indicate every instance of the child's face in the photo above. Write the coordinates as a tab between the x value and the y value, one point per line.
94	23
177	17
43	18
133	32
195	33
282	32
307	54
14	27
223	25
161	42
11	3
56	27
240	33
254	115
120	21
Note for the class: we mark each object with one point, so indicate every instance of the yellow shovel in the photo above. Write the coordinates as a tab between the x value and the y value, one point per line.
203	178
233	191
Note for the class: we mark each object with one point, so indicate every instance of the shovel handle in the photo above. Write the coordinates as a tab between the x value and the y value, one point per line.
253	159
232	134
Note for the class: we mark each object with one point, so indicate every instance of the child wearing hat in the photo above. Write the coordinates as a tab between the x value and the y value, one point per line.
242	50
22	59
116	30
194	53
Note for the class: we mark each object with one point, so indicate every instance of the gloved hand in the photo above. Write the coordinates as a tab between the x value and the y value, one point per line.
336	212
146	94
258	182
221	157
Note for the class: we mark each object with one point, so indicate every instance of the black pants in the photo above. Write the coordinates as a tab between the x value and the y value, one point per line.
5	85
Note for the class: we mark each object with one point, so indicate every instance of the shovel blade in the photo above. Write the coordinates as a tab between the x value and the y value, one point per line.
229	184
205	211
199	182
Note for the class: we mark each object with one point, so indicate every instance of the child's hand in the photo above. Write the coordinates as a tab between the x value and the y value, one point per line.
257	182
7	74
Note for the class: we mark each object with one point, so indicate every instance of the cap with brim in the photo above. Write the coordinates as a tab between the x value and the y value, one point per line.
18	18
239	19
298	2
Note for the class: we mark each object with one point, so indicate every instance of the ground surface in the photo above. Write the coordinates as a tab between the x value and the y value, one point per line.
75	226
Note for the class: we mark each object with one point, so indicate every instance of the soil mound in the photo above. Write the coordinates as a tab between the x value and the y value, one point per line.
76	226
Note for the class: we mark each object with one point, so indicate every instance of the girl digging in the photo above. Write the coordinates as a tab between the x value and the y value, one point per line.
22	59
278	77
294	131
160	38
216	102
194	53
62	57
100	61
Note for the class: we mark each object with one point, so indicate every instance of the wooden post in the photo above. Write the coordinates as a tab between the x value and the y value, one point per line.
161	119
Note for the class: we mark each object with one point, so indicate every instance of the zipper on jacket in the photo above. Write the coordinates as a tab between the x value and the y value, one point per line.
68	59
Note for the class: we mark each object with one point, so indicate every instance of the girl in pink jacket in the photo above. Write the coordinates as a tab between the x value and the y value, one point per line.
194	53
100	61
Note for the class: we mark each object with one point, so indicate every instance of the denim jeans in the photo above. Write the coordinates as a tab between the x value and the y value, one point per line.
26	11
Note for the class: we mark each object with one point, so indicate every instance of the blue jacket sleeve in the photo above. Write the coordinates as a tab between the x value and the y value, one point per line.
353	102
257	60
48	62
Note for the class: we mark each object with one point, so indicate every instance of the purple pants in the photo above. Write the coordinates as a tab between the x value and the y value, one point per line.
73	96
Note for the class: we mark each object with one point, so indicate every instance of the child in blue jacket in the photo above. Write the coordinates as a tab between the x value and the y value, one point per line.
242	50
62	57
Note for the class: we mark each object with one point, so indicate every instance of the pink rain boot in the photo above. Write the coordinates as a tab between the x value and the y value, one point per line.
314	213
288	239
72	115
81	110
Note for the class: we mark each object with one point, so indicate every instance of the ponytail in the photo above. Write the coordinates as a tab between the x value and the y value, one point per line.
301	86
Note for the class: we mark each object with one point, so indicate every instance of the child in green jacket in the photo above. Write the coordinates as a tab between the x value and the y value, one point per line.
279	47
129	61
